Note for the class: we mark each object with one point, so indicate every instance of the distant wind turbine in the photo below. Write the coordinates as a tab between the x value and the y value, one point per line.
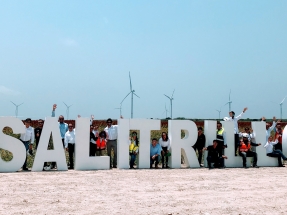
16	111
281	104
166	111
219	111
170	99
120	108
132	97
68	110
229	101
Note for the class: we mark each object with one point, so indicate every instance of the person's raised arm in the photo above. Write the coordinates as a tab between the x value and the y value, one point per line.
273	124
53	110
240	115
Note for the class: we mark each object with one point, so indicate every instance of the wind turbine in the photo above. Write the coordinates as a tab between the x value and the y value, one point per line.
219	111
120	108
229	102
68	110
170	99
281	107
16	111
166	111
132	97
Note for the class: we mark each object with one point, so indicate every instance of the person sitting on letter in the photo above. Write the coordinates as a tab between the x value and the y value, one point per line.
245	150
274	153
134	149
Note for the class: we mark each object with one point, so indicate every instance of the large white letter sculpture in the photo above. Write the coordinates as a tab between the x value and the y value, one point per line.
144	126
259	129
43	154
82	147
190	129
123	143
13	145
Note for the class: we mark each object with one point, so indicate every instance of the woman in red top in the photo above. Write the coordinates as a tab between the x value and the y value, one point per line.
101	143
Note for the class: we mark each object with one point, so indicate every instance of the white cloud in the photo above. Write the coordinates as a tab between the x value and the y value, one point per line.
6	91
70	42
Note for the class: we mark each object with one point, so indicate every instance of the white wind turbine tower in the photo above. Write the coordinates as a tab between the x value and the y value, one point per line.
170	99
281	104
16	111
219	111
132	97
229	101
68	110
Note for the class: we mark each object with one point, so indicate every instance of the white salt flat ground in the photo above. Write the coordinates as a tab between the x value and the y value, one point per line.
161	191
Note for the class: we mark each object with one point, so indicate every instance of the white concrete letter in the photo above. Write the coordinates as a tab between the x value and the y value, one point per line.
13	145
190	129
82	148
144	126
58	154
123	143
210	135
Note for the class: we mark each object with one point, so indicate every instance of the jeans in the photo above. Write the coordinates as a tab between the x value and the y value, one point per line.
93	148
26	144
156	160
71	148
163	157
277	153
248	154
133	158
112	144
218	161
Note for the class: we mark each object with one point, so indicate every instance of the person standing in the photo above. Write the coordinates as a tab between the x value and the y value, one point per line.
63	129
133	149
213	155
101	143
70	144
93	144
27	139
155	150
38	131
269	127
235	121
62	125
278	136
199	145
164	142
112	136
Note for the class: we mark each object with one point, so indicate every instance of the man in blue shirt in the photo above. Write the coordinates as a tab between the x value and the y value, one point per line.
155	150
63	129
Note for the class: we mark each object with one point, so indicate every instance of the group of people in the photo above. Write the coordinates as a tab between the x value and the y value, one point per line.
159	148
244	143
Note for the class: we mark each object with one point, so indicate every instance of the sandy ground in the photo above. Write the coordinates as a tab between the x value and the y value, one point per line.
161	191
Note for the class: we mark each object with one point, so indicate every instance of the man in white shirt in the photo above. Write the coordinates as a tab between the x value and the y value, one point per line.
70	144
28	140
274	153
270	128
235	121
112	136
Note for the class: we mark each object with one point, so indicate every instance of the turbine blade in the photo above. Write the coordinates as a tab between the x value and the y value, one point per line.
126	97
65	104
136	95
21	103
13	103
172	93
283	100
70	105
167	96
131	88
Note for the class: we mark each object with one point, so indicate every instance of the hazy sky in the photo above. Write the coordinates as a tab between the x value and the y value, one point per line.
81	52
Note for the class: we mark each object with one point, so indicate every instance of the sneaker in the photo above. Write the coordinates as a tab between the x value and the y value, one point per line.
167	167
71	168
25	169
255	166
156	166
115	166
201	165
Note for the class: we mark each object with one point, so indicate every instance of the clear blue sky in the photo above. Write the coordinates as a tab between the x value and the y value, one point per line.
80	52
